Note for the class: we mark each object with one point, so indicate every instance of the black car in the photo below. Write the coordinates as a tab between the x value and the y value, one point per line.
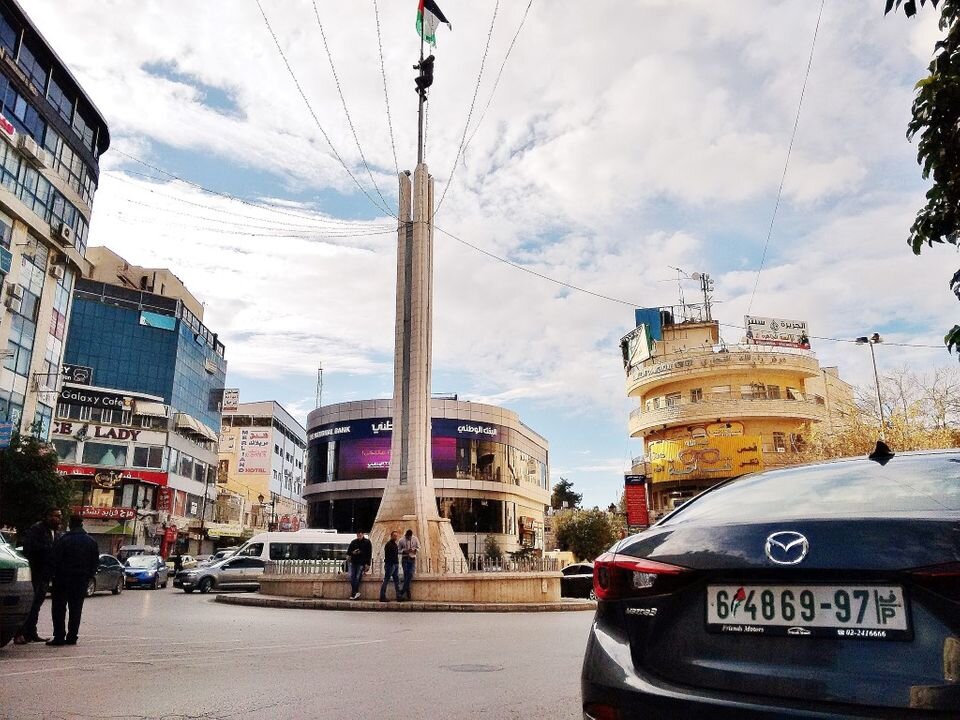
822	591
109	576
576	581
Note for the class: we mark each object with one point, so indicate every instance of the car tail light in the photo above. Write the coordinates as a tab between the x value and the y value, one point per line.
620	576
941	579
601	711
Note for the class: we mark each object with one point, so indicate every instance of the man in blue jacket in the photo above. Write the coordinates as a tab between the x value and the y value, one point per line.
75	560
359	554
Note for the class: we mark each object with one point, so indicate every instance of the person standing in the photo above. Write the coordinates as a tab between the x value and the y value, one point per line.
391	566
408	547
75	560
38	548
359	553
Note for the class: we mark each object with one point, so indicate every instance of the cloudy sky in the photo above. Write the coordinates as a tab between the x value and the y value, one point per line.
614	145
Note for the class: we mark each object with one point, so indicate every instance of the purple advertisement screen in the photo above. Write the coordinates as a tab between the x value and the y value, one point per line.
369	458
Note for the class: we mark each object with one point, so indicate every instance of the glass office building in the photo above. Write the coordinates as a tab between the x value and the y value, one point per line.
51	139
490	471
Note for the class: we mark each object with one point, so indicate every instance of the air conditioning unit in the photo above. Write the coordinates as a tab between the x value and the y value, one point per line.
14	291
63	233
12	304
34	153
56	271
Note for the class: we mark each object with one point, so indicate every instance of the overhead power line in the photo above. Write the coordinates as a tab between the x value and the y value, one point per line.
316	120
386	96
786	163
496	82
473	102
343	101
218	193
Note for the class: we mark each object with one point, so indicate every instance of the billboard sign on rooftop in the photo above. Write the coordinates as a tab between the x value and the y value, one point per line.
776	331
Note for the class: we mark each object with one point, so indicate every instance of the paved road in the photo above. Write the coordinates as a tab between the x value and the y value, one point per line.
165	654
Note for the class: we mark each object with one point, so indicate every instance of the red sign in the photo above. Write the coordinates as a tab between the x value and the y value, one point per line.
295	523
105	513
635	496
7	130
171	534
88	471
163	499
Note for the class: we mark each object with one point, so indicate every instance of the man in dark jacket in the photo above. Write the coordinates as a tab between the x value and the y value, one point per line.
359	553
37	548
75	560
391	566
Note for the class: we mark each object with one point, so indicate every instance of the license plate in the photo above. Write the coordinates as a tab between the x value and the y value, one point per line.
871	612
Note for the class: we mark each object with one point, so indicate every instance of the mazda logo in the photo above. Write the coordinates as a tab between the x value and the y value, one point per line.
786	547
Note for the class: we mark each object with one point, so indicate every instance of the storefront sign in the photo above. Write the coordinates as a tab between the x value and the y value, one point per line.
95	398
95	431
635	498
84	472
79	374
107	479
776	331
105	513
163	499
705	458
383	427
231	399
7	131
256	447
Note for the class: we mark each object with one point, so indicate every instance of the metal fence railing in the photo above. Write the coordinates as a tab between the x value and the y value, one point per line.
469	564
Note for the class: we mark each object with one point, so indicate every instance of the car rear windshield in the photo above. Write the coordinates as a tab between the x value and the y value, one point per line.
907	484
142	561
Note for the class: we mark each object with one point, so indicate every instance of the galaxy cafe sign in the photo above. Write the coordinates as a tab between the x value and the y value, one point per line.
111	401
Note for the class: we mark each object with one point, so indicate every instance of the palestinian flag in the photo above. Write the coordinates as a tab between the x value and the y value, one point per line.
429	17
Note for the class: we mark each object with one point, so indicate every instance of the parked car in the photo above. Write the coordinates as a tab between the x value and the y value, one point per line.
16	591
231	573
186	562
827	590
577	581
128	551
109	576
146	571
223	553
203	560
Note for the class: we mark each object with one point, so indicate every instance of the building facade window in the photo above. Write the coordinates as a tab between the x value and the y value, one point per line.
696	395
779	442
773	392
33	67
8	36
95	453
148	456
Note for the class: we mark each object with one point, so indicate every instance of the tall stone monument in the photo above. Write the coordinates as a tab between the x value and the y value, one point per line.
409	499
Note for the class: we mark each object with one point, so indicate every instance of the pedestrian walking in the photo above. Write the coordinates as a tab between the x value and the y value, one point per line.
38	549
408	548
75	559
391	566
359	554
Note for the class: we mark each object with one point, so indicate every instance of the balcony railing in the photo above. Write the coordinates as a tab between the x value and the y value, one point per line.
729	406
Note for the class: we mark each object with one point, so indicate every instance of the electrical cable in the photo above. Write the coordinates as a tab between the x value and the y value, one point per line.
786	164
235	198
473	102
386	96
316	120
499	74
631	303
343	101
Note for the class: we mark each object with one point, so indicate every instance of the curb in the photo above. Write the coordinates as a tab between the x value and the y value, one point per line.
276	601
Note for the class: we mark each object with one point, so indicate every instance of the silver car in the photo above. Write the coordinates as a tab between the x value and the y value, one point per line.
240	573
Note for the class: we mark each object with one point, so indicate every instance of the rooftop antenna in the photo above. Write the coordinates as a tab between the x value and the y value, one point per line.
320	385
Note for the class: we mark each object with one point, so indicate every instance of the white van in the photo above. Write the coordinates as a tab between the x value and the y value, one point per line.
301	545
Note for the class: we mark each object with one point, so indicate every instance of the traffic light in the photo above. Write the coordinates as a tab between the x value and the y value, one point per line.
425	78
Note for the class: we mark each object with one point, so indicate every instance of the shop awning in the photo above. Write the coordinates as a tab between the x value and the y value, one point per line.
188	422
152	409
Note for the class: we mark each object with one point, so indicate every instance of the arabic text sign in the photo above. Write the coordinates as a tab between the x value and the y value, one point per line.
776	331
635	497
705	458
255	449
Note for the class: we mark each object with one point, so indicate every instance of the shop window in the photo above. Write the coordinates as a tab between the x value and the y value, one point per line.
104	454
696	395
779	442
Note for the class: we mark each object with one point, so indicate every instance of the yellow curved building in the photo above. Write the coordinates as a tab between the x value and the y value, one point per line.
709	411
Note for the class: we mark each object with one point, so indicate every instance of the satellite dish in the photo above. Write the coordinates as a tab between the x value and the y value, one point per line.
695	276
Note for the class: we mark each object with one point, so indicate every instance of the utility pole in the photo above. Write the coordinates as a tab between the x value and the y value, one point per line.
320	385
871	341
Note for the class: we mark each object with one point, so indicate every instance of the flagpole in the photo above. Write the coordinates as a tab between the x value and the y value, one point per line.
422	93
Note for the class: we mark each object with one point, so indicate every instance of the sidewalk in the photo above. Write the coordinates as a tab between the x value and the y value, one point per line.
276	601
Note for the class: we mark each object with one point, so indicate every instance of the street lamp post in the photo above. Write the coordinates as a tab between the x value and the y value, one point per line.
875	339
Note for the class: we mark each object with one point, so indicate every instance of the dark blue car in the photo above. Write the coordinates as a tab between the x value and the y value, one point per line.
146	571
823	591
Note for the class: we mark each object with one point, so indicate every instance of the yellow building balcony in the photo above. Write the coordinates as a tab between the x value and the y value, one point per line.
747	359
693	413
